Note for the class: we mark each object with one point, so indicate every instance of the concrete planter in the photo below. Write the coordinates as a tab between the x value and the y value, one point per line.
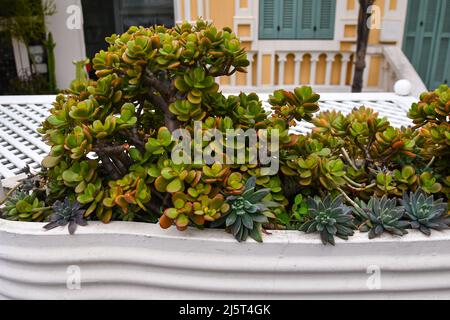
135	261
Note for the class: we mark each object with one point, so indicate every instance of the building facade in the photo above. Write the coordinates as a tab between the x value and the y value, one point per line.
289	42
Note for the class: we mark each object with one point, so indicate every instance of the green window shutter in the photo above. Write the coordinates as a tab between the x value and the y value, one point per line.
440	70
268	19
324	19
305	26
316	19
428	24
412	38
287	18
296	19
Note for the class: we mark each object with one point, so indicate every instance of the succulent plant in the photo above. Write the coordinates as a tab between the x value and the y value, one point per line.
246	212
179	213
299	105
406	178
173	178
329	217
66	213
429	183
158	145
381	215
21	206
385	184
424	212
112	141
195	82
433	106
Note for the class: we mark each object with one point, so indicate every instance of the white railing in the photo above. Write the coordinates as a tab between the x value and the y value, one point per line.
325	71
397	66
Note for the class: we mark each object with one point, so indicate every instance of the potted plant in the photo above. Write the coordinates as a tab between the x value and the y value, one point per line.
154	140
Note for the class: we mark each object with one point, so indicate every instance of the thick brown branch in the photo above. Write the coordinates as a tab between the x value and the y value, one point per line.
110	168
165	90
154	207
101	148
170	120
361	44
132	135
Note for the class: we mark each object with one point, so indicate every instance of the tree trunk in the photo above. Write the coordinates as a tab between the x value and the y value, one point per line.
361	44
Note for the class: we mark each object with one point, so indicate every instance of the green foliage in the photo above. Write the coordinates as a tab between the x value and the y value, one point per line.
25	19
113	144
330	218
247	212
381	215
432	107
424	212
298	105
21	206
66	213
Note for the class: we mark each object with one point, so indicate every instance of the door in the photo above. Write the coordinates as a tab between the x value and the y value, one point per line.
98	23
426	42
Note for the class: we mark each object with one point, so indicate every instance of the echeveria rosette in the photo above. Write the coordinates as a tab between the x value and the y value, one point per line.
66	212
381	215
330	218
246	214
424	212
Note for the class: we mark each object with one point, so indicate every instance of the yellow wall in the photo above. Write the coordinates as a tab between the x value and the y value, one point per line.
222	12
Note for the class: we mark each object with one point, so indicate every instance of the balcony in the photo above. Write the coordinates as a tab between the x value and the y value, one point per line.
325	71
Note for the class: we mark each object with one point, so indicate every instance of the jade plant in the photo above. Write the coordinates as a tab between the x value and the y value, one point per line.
140	143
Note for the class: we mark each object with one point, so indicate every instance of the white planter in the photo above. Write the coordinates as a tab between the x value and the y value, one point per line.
136	261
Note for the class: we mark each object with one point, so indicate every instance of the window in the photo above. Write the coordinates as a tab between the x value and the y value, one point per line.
296	19
143	13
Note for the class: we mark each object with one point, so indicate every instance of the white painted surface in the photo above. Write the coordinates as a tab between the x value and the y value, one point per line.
141	261
23	67
70	44
20	144
402	68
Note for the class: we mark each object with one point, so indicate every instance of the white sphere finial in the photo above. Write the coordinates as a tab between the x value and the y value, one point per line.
403	87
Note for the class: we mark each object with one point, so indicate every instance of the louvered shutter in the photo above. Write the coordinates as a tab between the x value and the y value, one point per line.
428	23
324	19
440	71
411	39
287	19
268	19
305	26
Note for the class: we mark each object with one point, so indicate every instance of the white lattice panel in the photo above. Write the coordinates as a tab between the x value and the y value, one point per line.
20	144
20	116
